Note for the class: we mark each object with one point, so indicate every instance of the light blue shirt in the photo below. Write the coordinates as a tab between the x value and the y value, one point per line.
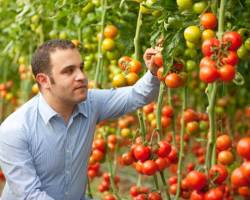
45	159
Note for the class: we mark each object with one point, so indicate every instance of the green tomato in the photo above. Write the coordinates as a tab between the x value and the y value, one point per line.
242	52
190	53
53	34
192	34
219	110
247	44
112	55
199	7
89	7
63	35
87	65
203	125
243	32
191	65
35	19
191	45
184	4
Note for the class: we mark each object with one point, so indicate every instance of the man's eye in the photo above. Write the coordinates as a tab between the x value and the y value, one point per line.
69	71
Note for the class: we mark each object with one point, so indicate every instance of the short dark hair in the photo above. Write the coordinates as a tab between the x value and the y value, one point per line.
41	59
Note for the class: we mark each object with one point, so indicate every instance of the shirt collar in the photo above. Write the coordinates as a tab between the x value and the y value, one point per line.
47	112
80	108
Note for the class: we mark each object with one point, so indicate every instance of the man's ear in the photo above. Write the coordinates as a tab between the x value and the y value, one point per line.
43	80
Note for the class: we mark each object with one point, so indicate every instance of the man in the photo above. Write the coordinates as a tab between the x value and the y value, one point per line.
46	143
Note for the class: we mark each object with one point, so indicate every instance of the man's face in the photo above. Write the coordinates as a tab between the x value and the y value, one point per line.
68	83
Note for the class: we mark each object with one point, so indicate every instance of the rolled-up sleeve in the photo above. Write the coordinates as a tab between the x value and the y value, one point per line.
17	165
116	102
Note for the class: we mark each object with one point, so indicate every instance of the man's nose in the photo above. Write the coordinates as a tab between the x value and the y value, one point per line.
80	75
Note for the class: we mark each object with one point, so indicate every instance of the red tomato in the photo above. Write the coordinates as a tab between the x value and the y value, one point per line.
172	180
141	197
218	173
173	189
231	58
124	61
210	46
158	60
164	149
196	180
238	179
149	167
190	115
208	20
97	155
161	163
173	80
245	167
109	197
135	66
227	73
196	195
244	191
233	39
160	74
141	152
99	144
127	158
243	148
172	156
223	142
207	61
192	127
154	196
134	191
214	194
167	111
110	31
225	157
208	74
165	121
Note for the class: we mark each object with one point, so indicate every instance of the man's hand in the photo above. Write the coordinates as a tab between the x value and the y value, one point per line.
149	60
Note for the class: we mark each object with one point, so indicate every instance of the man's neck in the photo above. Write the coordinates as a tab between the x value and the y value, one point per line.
63	108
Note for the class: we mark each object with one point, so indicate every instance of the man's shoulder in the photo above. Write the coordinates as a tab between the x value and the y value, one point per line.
23	115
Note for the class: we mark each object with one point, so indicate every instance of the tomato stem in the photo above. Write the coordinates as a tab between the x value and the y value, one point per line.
90	195
173	118
211	146
137	35
165	185
156	182
181	155
100	54
158	111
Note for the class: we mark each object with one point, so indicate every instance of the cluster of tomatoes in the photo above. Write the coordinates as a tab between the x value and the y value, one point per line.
220	57
240	177
224	149
143	193
5	91
195	122
94	170
149	159
105	185
131	68
195	185
175	78
166	117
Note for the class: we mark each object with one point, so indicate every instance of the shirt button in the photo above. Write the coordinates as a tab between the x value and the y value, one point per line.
68	151
67	172
66	193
